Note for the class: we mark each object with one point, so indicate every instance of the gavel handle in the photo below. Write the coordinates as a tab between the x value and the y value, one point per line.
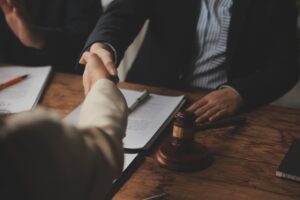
222	123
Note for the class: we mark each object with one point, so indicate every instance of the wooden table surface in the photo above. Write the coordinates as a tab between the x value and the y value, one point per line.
246	158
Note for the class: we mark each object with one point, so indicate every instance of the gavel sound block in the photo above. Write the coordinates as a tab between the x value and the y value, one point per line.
182	152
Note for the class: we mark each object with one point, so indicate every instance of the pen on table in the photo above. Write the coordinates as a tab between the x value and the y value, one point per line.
13	81
139	101
156	197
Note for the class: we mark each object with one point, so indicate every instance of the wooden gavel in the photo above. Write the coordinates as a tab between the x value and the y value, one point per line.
182	152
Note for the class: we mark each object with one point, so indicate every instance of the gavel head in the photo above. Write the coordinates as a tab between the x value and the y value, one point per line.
181	152
184	125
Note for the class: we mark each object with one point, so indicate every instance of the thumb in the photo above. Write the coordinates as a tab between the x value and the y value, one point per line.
84	58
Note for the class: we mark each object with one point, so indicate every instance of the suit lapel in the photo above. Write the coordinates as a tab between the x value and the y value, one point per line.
239	13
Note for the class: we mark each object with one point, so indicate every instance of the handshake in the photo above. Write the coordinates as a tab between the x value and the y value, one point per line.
218	104
98	65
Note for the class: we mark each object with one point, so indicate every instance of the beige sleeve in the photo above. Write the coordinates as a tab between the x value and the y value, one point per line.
105	108
59	161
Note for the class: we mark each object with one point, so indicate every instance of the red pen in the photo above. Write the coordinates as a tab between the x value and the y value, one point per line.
12	81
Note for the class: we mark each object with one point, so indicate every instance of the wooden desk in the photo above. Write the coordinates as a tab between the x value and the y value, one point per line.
245	158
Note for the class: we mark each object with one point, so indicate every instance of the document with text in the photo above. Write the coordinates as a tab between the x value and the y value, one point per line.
147	121
22	96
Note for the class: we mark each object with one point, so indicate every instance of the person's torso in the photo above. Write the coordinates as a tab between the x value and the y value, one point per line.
168	46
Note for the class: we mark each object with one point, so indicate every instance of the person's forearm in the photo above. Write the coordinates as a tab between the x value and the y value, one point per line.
105	107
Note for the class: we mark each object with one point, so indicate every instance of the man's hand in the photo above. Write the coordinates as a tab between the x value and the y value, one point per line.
94	70
21	23
101	50
217	104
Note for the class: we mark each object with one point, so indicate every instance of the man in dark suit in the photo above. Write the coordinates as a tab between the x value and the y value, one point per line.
245	49
42	32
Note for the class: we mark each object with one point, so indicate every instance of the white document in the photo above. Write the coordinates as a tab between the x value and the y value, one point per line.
24	95
128	159
147	121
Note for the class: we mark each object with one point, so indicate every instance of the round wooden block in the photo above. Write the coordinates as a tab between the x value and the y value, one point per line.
183	155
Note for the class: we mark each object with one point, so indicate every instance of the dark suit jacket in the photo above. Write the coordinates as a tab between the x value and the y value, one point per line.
261	57
66	24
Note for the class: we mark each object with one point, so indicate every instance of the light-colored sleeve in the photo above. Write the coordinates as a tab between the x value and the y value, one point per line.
58	161
105	108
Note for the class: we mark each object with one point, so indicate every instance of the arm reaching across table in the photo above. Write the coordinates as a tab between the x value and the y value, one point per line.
42	158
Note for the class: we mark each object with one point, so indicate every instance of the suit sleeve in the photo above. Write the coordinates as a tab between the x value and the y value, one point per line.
59	161
120	24
281	71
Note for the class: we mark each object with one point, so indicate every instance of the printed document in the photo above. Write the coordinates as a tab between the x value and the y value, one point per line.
146	122
24	95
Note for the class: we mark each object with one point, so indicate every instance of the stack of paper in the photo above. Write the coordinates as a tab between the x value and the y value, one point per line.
24	95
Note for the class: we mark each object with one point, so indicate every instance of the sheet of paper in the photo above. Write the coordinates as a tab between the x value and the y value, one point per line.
145	122
128	159
24	95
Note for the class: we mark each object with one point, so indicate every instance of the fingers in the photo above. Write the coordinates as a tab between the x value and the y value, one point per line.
91	60
207	114
6	7
86	81
198	104
84	58
94	70
94	63
106	58
216	105
103	51
218	115
203	109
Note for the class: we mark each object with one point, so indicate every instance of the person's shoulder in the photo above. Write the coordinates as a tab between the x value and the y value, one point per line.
32	124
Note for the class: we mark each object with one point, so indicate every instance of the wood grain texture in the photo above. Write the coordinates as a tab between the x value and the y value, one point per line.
246	157
63	94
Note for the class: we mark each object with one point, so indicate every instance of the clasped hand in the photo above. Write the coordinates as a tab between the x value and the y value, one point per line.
94	70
